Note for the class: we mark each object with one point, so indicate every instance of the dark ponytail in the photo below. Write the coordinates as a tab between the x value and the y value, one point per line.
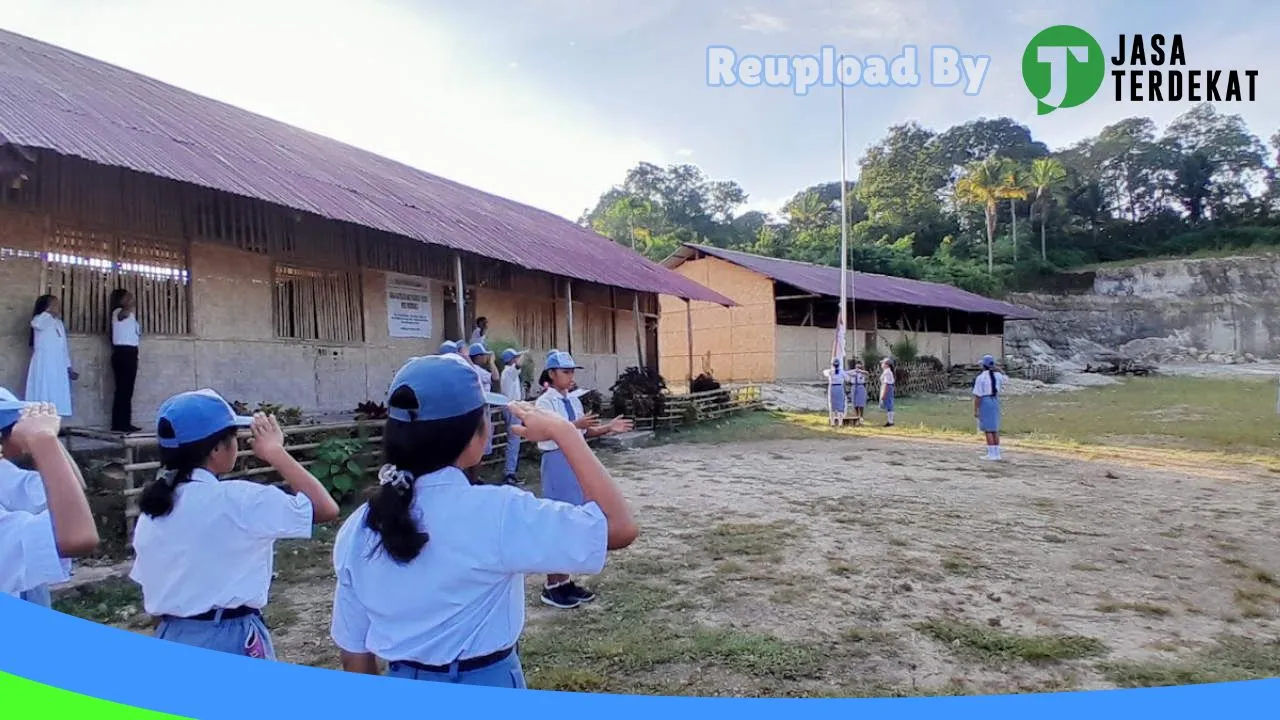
991	373
117	301
42	304
413	449
157	499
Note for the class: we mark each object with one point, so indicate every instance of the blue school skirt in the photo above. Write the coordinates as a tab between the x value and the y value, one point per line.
39	596
989	414
835	394
886	398
558	480
246	635
859	395
505	673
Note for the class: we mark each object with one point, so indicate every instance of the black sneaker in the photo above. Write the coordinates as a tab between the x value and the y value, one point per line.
561	596
581	593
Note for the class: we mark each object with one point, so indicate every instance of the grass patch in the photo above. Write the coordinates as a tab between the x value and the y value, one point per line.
110	602
1230	659
1142	608
994	646
727	541
957	565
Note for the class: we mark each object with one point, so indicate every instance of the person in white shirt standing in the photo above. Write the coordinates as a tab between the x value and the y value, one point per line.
986	404
887	383
482	363
558	480
480	333
126	334
204	547
513	390
50	375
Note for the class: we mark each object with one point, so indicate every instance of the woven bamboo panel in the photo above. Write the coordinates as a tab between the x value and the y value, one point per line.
535	324
318	305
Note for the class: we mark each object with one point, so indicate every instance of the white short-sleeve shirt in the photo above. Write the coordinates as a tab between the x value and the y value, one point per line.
23	490
485	375
215	549
886	377
834	377
511	383
28	552
982	384
463	595
553	400
126	332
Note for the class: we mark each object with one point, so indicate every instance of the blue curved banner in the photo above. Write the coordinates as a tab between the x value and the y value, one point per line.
104	663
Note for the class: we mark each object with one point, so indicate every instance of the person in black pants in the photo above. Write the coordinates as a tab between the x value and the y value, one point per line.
125	336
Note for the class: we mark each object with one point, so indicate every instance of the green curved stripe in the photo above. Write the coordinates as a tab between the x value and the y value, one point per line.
41	701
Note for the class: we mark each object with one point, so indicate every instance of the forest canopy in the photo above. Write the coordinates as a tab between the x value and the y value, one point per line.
984	205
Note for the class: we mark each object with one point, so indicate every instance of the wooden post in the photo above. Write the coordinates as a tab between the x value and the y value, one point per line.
688	317
948	338
568	293
639	323
460	298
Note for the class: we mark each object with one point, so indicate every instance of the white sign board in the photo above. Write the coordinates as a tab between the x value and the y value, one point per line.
408	307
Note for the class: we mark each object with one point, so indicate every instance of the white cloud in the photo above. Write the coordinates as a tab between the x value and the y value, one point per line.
684	153
762	22
376	76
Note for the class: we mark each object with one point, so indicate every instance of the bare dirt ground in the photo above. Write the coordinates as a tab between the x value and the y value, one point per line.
864	565
867	565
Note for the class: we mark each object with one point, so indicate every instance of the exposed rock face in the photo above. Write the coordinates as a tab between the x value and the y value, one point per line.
1214	310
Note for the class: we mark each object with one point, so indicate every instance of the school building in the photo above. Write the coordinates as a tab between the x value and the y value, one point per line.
270	263
783	326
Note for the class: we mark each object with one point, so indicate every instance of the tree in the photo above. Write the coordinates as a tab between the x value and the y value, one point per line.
1013	187
981	186
1206	142
976	140
1046	179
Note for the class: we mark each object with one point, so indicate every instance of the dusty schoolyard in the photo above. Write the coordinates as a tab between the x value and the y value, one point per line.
779	559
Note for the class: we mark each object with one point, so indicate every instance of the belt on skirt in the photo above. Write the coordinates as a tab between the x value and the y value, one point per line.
227	614
468	665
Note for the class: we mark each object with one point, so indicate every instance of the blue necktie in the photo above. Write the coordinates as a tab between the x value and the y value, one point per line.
568	408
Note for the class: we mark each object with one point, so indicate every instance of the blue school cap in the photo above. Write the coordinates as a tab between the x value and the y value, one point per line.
448	346
195	416
561	361
478	349
510	354
10	409
988	361
446	386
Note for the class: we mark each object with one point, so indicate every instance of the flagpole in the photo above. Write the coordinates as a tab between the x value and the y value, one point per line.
844	234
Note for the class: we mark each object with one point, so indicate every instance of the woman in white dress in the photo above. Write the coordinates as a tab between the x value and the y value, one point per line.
49	376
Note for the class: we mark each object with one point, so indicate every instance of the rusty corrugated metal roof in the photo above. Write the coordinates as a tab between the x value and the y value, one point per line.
825	280
61	101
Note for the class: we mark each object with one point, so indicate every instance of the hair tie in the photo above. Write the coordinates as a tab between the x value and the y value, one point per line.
395	477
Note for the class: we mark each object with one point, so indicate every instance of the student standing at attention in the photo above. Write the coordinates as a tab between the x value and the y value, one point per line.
986	405
126	334
482	364
887	382
836	399
513	391
204	547
34	545
49	376
23	490
430	572
859	392
559	480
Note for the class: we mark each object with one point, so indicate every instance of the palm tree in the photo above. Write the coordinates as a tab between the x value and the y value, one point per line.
1048	177
980	186
1013	187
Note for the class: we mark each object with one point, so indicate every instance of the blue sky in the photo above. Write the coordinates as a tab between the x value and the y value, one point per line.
550	102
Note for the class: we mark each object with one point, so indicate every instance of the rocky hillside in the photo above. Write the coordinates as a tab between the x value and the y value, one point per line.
1222	310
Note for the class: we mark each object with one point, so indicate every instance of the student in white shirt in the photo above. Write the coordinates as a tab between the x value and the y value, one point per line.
559	481
836	398
887	382
34	544
126	335
23	490
513	390
480	333
430	573
986	405
203	547
482	364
